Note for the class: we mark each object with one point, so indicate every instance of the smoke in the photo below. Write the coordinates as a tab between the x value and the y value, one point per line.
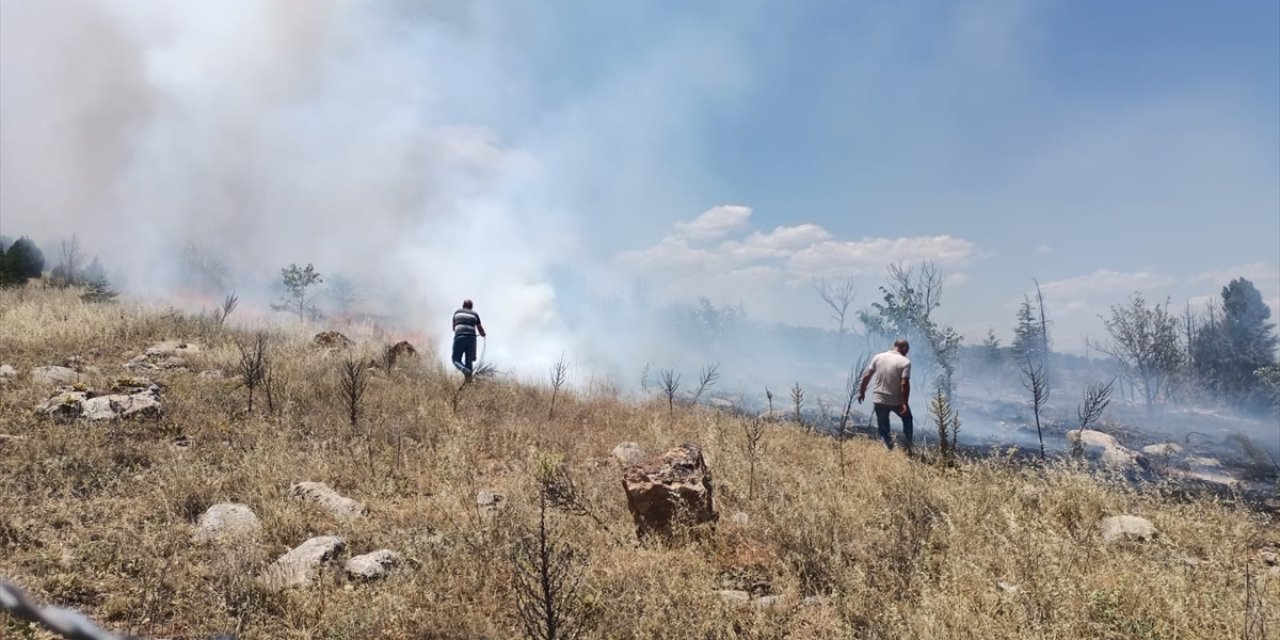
336	133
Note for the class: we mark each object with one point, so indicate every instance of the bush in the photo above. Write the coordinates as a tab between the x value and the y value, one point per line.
20	262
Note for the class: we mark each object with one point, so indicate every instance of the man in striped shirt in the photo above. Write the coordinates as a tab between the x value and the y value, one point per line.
466	326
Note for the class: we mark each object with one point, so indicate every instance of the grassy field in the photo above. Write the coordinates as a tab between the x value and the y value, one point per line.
98	516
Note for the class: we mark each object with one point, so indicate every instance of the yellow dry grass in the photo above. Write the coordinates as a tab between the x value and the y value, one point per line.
98	516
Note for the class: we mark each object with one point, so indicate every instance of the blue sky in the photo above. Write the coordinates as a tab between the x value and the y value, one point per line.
1101	147
533	153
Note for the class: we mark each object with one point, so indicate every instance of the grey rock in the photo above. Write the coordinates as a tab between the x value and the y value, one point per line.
54	375
489	502
1127	528
170	348
629	453
767	602
321	494
226	523
138	406
741	519
65	406
1167	449
7	372
372	566
300	566
734	597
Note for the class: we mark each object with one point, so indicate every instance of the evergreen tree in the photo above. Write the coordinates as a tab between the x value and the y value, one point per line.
1028	340
22	260
1235	342
991	348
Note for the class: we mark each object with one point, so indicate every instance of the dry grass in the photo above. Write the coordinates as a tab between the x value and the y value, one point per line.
98	516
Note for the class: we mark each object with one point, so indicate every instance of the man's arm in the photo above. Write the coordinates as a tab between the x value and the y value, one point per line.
866	379
479	326
906	395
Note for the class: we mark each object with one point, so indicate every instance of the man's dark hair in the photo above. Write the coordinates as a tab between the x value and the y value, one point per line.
902	345
466	304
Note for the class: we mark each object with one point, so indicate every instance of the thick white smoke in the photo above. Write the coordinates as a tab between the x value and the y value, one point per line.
333	132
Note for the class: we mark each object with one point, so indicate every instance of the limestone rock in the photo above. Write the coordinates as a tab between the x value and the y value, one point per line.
489	502
741	519
671	490
629	453
1167	449
371	566
300	566
734	597
171	348
226	523
1127	528
7	373
321	494
54	375
65	406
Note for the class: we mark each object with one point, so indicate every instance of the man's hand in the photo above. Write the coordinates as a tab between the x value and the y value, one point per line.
906	411
861	395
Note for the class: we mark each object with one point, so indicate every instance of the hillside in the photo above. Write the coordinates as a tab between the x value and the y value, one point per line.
99	514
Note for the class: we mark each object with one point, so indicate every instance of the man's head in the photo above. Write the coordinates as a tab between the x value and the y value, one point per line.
466	304
901	346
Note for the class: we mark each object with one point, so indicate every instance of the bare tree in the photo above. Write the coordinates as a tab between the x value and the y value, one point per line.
797	403
707	378
768	395
1033	379
559	374
71	259
837	295
753	433
845	428
670	381
548	583
1044	332
1096	398
229	304
253	365
353	382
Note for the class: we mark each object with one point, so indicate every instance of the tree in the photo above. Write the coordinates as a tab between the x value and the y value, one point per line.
341	293
991	348
298	298
1027	341
24	260
1144	342
1235	341
837	295
910	298
71	259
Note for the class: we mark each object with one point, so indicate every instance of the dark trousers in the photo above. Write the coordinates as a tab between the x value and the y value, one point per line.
882	419
464	352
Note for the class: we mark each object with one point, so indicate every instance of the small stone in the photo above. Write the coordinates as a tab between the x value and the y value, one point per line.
489	502
7	372
1120	528
1008	587
210	374
371	566
734	597
741	519
766	602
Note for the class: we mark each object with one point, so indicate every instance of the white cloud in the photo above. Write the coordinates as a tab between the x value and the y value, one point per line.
1260	273
838	257
957	279
1106	281
1044	249
715	222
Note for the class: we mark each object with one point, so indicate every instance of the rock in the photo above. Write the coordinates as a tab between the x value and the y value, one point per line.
210	374
815	601
672	489
320	493
1105	448
400	350
140	401
54	375
1126	528
741	519
629	453
7	372
300	566
734	597
371	566
766	602
226	523
332	340
1008	587
65	406
171	348
489	502
1163	450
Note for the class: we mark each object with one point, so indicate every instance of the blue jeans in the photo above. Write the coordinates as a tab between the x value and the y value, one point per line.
882	419
464	352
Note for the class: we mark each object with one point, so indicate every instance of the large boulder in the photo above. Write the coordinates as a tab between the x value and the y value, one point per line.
321	494
669	491
135	399
226	523
1127	528
300	566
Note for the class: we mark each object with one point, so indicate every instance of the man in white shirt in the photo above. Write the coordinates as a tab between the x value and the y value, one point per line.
892	372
